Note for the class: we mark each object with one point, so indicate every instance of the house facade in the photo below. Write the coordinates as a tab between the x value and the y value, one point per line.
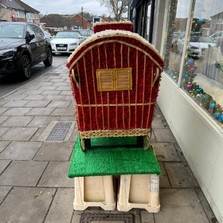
82	22
217	22
16	10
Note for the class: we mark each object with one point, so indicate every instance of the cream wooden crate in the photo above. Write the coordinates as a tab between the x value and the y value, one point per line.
94	191
139	191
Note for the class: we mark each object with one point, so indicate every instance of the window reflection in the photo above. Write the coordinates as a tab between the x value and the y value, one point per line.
177	22
202	72
205	49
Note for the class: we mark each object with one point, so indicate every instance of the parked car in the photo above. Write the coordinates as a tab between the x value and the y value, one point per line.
66	41
218	39
197	44
22	45
48	35
85	32
217	36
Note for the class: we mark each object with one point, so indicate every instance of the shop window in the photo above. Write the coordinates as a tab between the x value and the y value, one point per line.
175	37
195	61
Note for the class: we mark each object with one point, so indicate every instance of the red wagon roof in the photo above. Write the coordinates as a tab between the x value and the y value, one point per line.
128	38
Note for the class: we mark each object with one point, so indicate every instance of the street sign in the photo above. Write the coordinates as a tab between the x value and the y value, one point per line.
96	19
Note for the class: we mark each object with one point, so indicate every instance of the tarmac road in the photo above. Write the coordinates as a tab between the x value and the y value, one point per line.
9	83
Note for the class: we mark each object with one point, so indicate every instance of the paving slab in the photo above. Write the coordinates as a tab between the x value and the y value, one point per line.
64	112
47	87
41	121
55	175
31	91
76	217
40	111
2	110
3	165
37	104
67	118
55	151
3	192
18	121
3	119
210	215
163	135
180	206
22	173
56	92
16	111
159	121
55	97
3	130
63	86
147	217
19	133
26	205
61	209
69	97
34	97
59	104
165	152
164	180
37	134
15	103
2	102
16	96
64	91
180	175
3	145
21	150
179	151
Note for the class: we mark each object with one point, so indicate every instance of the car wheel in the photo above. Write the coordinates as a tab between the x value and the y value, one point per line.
25	67
49	59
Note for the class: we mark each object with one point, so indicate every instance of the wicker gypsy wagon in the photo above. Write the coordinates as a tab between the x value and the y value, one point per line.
115	77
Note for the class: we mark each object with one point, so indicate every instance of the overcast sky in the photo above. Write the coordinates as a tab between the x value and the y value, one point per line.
67	6
203	8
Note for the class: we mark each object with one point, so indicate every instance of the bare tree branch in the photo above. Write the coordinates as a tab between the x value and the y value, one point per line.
117	7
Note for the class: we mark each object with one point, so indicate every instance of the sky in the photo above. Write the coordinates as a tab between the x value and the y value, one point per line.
203	8
67	6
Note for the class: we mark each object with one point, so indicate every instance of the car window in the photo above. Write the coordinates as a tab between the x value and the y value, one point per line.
35	30
68	35
30	30
219	34
11	30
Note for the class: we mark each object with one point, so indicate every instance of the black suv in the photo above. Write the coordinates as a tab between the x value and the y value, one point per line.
22	45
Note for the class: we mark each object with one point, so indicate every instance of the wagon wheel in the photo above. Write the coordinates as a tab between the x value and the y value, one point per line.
146	141
85	144
143	141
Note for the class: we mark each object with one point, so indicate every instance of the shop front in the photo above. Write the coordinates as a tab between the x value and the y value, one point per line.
189	35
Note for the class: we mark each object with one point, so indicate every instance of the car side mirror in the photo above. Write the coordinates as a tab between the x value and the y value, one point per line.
29	36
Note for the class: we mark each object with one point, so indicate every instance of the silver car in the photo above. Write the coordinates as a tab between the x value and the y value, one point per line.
197	44
66	42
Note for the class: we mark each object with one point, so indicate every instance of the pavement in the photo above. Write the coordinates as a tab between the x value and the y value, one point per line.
37	133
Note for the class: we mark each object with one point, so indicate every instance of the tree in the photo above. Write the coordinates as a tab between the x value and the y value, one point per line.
117	7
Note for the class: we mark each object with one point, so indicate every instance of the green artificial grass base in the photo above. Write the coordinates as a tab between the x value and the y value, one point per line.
108	156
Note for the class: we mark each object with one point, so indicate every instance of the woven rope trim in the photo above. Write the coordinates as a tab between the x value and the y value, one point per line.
114	133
